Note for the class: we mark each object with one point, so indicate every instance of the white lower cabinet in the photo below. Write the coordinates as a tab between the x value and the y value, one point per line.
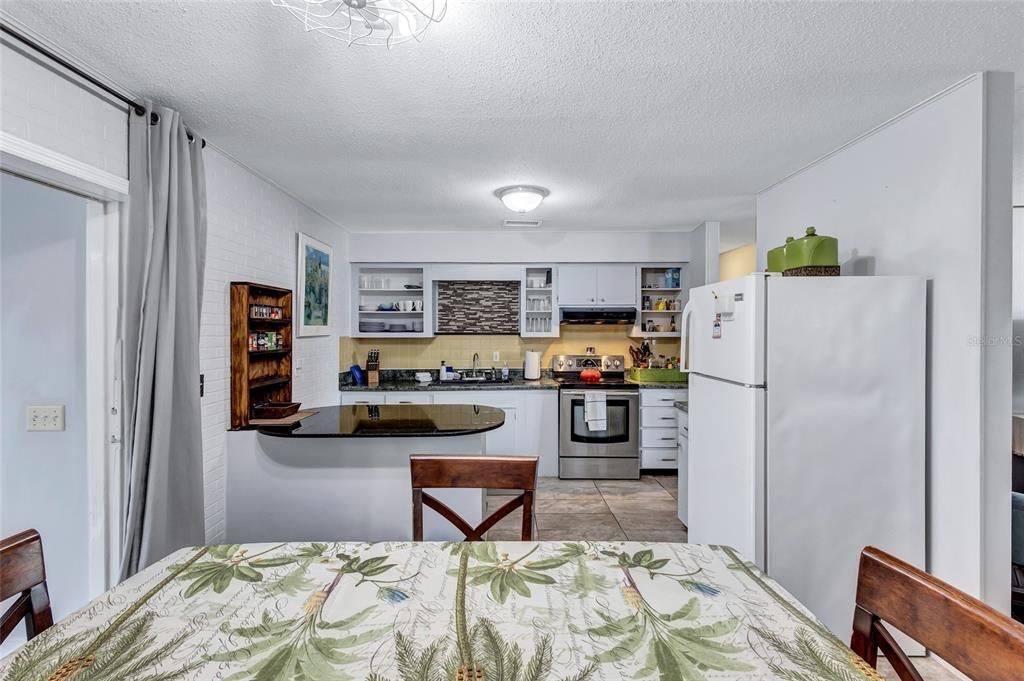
659	439
409	398
683	465
361	397
531	422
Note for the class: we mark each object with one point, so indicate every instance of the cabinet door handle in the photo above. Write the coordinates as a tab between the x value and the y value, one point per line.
602	300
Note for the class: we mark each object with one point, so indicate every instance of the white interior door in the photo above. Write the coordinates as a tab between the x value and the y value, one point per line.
59	295
725	498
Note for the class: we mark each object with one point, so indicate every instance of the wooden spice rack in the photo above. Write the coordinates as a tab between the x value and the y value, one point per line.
258	376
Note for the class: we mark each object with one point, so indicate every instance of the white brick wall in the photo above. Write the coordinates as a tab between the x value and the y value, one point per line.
42	107
252	237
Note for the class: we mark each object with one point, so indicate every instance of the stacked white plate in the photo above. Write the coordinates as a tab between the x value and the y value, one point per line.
372	327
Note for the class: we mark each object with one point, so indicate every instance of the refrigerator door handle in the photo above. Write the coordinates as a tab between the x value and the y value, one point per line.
684	324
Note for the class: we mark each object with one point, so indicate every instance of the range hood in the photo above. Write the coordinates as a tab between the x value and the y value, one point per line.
599	315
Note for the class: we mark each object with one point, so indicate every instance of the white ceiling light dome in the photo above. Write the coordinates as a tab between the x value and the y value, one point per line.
522	198
367	22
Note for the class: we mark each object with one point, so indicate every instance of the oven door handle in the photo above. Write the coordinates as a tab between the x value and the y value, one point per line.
628	394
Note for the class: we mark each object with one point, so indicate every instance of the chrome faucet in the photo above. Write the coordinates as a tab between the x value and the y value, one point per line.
476	361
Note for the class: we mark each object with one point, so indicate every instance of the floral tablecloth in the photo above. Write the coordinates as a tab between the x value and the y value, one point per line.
399	611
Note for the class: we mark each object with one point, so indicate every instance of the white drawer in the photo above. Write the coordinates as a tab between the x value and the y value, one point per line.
361	398
659	458
660	398
658	417
409	398
658	437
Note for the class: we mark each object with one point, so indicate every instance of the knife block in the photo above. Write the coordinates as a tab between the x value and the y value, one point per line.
373	368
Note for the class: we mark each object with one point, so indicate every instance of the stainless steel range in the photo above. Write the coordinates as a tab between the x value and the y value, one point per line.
608	453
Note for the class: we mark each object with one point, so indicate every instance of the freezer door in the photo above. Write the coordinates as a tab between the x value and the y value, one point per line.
726	329
725	484
846	432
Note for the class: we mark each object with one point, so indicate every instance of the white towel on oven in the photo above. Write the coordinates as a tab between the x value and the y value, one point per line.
595	410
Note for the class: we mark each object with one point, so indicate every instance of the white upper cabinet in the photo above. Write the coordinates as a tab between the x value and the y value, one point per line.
588	285
577	284
616	285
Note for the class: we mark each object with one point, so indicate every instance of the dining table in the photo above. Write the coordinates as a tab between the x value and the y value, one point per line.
433	611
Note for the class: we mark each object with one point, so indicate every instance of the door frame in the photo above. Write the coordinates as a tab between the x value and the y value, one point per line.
108	195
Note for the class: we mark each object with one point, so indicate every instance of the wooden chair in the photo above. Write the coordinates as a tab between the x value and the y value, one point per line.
22	574
486	472
963	631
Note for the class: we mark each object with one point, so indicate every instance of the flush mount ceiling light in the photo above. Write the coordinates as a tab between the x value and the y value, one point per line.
522	198
367	22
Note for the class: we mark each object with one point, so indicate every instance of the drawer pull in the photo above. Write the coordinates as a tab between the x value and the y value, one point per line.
667	439
667	418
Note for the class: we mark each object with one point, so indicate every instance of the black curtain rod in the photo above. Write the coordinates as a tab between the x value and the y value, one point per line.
139	109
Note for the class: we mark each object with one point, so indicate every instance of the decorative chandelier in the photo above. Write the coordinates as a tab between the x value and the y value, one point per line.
367	22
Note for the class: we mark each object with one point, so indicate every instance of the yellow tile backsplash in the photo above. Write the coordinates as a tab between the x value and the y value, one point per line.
427	353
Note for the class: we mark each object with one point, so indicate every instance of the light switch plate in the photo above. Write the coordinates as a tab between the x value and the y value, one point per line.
496	357
47	417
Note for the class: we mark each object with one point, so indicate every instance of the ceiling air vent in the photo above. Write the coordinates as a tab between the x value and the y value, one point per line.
521	223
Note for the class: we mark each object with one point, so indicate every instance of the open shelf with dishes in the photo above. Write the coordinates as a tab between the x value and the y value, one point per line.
539	314
391	301
662	297
261	350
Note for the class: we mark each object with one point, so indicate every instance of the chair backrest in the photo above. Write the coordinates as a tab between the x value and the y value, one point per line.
486	472
23	574
973	637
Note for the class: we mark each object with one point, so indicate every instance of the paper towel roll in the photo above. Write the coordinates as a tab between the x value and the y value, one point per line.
531	365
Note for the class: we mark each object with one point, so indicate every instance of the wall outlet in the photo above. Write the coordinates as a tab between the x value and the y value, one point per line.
496	357
48	417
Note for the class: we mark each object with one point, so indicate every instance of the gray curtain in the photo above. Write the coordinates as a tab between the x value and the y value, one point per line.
163	247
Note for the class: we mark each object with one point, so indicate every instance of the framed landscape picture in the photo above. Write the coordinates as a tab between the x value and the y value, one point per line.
314	289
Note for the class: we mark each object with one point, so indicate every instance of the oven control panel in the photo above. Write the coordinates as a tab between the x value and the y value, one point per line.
576	363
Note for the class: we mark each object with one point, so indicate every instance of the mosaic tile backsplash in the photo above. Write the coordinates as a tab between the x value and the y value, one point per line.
474	308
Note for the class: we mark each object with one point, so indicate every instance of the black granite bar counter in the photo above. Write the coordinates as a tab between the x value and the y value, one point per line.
393	420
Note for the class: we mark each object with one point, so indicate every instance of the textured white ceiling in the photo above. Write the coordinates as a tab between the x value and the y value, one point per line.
637	115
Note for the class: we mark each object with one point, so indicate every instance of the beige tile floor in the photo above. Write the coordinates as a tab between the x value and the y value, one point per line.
601	510
638	510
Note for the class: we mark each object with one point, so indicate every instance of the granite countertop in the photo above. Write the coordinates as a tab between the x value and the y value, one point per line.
393	420
401	381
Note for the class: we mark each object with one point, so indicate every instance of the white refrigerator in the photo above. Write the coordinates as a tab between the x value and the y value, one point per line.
807	427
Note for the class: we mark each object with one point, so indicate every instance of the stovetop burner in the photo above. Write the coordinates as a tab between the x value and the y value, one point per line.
567	369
